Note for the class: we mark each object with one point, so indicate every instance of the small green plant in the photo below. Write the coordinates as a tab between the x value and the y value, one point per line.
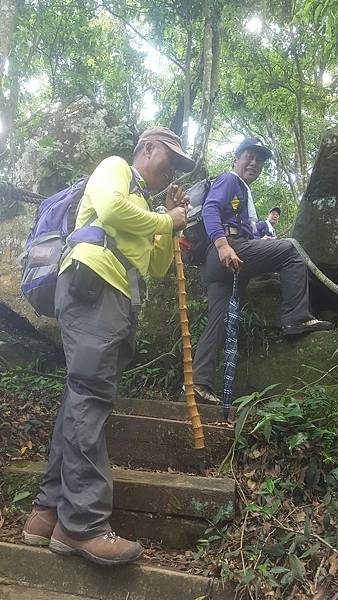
251	323
27	381
303	420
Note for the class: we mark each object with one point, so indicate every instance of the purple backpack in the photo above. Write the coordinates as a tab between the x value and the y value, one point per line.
52	235
54	221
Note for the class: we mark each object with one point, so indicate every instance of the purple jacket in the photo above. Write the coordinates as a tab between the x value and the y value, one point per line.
226	204
263	229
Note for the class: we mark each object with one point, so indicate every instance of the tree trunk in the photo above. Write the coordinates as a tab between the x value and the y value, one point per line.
301	156
210	83
300	145
281	159
176	123
200	142
8	10
215	71
187	90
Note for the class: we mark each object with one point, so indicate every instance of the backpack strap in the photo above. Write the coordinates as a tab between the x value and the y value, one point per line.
136	186
131	271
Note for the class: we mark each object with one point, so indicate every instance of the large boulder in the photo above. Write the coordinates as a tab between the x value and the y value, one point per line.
316	226
70	141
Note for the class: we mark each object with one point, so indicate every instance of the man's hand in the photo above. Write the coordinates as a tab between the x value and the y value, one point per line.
176	196
227	255
179	217
266	237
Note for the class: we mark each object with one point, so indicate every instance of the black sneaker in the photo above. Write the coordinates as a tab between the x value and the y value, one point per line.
202	396
206	396
307	327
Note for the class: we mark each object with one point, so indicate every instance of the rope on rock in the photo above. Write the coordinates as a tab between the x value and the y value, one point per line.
331	285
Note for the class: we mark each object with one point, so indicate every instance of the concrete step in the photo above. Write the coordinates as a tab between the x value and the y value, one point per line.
72	575
168	507
166	409
9	591
138	441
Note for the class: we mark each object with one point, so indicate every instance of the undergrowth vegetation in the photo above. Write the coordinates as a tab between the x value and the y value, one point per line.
284	543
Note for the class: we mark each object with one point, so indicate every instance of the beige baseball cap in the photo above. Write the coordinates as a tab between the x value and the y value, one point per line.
172	141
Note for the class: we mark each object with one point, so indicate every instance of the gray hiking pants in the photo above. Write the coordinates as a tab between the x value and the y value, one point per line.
259	256
98	341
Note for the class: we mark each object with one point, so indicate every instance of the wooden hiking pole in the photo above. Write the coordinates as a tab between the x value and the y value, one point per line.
198	435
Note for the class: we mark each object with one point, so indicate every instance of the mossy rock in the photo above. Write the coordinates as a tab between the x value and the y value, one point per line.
287	362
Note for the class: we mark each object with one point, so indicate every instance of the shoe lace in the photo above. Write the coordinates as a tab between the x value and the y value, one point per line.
111	536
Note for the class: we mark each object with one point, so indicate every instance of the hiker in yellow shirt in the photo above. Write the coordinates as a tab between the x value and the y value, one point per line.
96	304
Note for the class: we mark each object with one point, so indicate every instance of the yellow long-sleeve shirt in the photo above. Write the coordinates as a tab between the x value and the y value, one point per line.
144	237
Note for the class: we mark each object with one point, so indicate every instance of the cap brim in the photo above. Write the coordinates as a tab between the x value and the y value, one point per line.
263	151
183	162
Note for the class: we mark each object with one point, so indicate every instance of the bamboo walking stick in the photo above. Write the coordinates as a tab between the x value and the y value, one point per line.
198	435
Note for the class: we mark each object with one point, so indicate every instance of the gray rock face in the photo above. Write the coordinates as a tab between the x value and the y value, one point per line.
287	362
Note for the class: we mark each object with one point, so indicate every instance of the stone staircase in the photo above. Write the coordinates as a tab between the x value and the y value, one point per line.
157	497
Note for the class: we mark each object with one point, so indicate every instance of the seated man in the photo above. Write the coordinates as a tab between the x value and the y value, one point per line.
229	219
266	229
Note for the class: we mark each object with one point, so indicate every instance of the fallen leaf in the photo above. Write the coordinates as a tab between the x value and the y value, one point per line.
252	485
300	516
266	527
257	453
333	561
249	473
273	472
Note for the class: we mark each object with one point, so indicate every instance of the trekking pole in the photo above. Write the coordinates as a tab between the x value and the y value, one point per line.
198	435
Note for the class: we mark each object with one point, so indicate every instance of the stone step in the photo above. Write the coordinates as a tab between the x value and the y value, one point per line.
168	507
160	409
72	575
138	441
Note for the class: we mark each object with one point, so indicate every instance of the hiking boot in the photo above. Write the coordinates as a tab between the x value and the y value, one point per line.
105	549
39	526
307	327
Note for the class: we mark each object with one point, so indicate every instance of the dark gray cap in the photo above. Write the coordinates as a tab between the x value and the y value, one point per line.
253	143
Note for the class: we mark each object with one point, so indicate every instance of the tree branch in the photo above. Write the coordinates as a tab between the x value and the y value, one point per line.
140	35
